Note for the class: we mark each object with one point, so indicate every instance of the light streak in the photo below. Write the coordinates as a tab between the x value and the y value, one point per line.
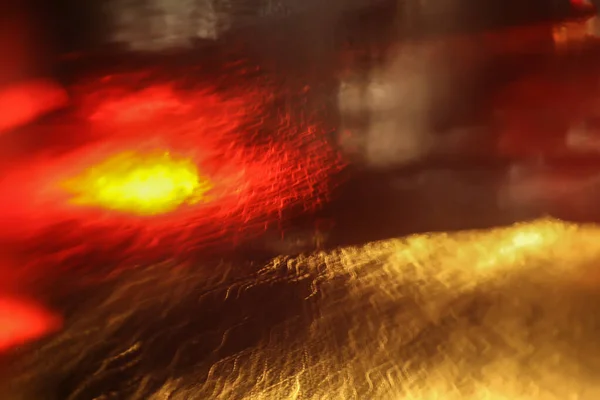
507	313
260	162
23	102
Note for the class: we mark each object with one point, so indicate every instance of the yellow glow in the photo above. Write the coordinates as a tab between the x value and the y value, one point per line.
145	184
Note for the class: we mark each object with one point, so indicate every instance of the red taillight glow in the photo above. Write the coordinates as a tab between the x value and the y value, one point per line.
250	164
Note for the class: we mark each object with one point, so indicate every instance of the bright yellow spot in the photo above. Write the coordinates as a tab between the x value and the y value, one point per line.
145	184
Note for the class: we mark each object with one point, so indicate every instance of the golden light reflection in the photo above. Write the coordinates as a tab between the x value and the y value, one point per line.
145	184
500	314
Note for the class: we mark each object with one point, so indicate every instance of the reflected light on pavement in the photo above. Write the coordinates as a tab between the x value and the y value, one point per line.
505	313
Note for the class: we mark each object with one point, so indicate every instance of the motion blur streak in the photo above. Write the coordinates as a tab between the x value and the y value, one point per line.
396	130
507	313
259	159
155	25
21	103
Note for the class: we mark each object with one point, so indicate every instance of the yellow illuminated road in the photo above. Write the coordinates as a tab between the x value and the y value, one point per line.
500	314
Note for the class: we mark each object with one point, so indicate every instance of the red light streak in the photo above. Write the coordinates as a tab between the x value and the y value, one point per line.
257	175
21	103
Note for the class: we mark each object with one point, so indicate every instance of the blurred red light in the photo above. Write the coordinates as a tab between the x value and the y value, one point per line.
22	321
260	163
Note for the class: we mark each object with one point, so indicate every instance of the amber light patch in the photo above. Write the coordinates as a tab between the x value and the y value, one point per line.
143	184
